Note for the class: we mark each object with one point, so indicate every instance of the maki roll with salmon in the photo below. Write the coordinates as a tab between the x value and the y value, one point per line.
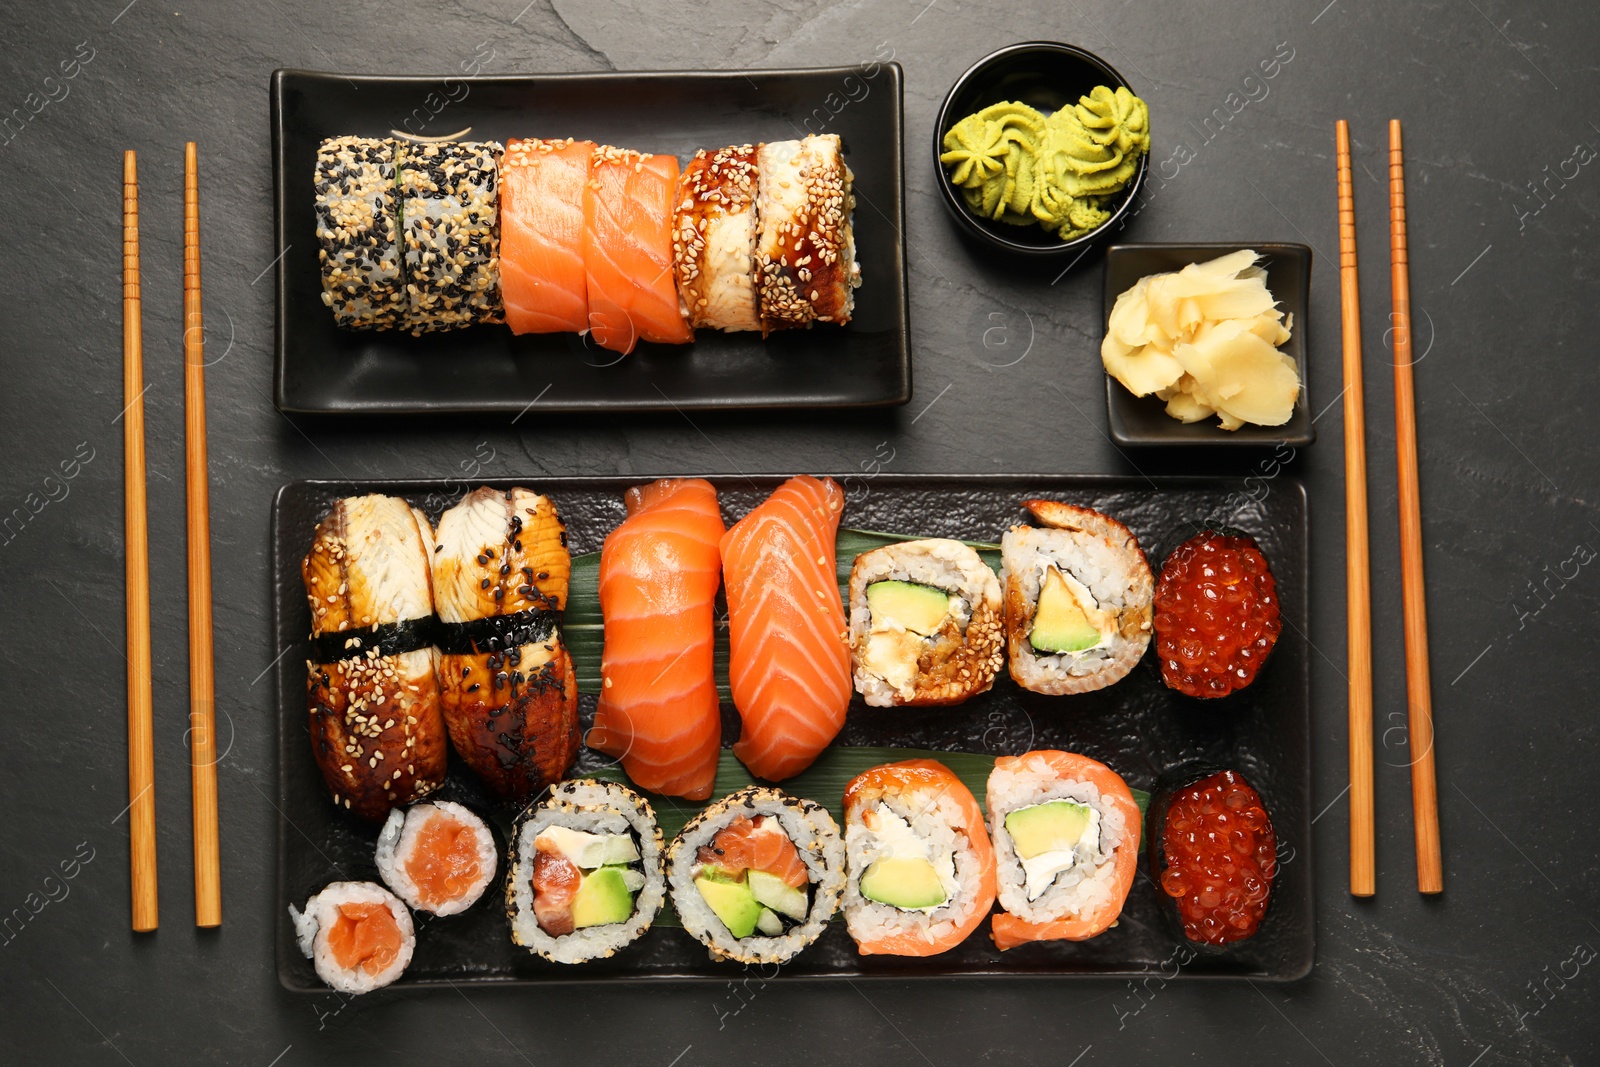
437	856
714	239
1077	599
1066	842
376	726
510	694
921	867
585	874
449	218
358	236
1214	854
357	935
627	250
925	624
806	250
756	876
1217	616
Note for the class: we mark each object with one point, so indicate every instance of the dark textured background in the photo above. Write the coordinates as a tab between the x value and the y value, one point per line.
1493	93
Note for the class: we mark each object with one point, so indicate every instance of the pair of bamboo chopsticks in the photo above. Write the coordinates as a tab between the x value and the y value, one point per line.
1424	789
202	717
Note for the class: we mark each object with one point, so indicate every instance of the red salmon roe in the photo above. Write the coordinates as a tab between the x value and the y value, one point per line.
1216	615
1221	857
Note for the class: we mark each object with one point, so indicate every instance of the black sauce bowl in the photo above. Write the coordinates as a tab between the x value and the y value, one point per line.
1046	75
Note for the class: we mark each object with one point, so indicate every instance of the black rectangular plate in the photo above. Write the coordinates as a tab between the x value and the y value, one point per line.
1143	420
323	369
1138	727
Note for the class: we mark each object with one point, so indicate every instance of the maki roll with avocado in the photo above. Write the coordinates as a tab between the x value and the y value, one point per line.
585	874
756	876
1066	842
357	935
437	856
924	624
1077	599
921	868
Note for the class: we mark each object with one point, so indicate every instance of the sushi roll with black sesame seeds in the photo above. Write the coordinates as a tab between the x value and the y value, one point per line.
585	873
358	237
806	252
357	935
714	239
757	876
437	856
450	230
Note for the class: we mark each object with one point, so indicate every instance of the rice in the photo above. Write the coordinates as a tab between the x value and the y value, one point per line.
311	928
398	839
937	820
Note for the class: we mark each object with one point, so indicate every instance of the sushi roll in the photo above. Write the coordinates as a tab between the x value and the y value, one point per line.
925	624
437	856
1217	616
542	281
1077	599
714	239
510	694
1066	843
627	250
806	251
377	730
1216	854
756	876
585	875
358	237
921	867
357	935
449	223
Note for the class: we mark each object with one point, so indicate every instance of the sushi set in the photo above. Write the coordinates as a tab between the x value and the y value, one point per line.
951	751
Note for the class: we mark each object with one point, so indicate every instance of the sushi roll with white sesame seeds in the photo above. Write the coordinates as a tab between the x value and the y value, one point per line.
805	253
377	730
358	237
450	230
437	856
357	935
714	239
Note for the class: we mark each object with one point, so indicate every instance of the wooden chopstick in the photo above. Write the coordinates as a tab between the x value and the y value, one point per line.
202	707
141	745
1419	700
1358	582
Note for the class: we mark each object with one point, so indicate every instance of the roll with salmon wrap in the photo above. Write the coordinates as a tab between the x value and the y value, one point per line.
921	868
1066	841
510	694
757	876
372	691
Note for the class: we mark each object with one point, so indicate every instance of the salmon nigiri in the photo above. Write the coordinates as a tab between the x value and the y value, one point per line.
627	250
788	660
542	281
659	573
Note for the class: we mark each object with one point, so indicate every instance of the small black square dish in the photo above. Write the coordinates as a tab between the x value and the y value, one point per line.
1136	420
321	368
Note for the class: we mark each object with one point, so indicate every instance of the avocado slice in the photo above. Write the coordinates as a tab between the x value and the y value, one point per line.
769	923
921	609
778	895
602	898
1055	826
732	903
1059	622
904	882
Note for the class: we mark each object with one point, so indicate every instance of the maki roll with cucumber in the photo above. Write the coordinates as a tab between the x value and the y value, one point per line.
1077	599
921	868
757	875
585	874
1066	842
925	624
437	856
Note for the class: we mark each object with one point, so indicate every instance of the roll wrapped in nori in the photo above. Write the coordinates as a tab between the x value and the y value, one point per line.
437	856
357	935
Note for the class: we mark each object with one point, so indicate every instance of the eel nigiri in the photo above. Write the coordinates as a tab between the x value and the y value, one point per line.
659	573
510	693
788	660
627	250
376	727
542	280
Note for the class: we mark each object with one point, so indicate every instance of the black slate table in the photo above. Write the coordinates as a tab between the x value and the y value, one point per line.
1498	101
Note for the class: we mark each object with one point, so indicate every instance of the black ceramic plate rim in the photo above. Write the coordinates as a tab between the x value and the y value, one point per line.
1207	433
973	225
282	312
618	482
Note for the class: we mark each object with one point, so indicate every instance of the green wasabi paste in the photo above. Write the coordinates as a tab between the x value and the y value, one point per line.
1015	165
